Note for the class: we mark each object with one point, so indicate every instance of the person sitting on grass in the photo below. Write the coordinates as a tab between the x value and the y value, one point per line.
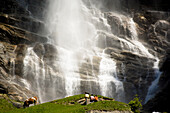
86	97
95	98
91	98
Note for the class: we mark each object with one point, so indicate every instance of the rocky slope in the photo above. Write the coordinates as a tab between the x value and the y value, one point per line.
22	20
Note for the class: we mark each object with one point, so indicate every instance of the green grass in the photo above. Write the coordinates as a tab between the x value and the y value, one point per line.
51	108
75	98
108	106
5	106
63	106
67	100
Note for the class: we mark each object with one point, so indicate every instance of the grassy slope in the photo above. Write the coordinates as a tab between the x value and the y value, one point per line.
5	106
63	106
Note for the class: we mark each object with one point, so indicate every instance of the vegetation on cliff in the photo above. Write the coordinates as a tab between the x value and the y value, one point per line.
135	104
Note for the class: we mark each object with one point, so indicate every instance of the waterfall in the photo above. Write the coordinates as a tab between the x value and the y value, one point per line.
75	28
70	30
153	88
132	44
12	68
69	68
81	35
32	63
108	78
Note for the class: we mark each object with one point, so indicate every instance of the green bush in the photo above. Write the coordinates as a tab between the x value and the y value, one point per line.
135	104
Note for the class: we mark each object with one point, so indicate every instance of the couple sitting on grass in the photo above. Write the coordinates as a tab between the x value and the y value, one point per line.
93	98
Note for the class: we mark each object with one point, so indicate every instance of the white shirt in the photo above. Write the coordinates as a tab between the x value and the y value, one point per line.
87	95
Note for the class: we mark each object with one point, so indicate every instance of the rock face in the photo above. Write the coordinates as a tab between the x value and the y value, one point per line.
133	43
18	30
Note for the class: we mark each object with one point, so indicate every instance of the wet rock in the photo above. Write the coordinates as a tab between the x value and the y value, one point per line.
22	21
162	24
16	35
168	35
12	7
50	54
20	55
3	89
14	91
39	50
37	8
90	66
154	15
105	41
7	55
161	99
90	86
118	28
158	36
134	70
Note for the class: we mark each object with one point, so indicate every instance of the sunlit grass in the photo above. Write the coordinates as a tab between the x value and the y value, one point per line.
64	106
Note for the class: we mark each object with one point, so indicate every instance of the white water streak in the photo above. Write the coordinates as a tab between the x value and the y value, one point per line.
12	68
74	27
32	63
68	66
108	77
153	88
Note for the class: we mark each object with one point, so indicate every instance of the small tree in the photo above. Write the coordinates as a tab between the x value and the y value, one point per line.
135	104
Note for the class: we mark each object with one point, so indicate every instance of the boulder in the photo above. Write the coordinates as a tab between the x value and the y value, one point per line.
14	91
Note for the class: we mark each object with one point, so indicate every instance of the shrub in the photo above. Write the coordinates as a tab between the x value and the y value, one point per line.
135	104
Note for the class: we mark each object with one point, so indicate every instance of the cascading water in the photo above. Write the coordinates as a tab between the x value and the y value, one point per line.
81	33
69	68
108	78
12	67
132	44
153	89
73	29
32	64
70	30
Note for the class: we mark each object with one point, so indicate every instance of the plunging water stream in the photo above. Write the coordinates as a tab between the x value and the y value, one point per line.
153	89
81	35
108	78
73	29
